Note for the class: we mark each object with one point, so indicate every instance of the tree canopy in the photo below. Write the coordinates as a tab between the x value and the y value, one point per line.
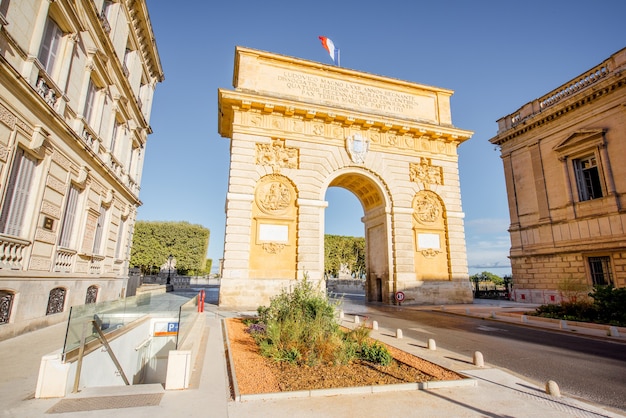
154	241
486	276
340	251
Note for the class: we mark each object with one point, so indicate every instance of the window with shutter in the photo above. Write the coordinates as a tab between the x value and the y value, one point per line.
69	216
99	229
50	45
120	239
16	198
90	101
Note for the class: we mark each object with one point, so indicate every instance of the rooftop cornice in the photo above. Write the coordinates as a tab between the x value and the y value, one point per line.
233	100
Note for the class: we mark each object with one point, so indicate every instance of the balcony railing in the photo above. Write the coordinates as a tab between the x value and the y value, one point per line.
104	21
95	264
12	252
64	262
45	91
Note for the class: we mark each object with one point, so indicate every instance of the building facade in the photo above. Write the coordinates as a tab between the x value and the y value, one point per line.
566	184
77	80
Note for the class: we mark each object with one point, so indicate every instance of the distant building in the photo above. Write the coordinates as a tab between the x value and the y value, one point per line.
563	157
76	86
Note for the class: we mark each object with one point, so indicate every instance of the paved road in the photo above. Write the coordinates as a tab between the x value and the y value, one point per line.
586	368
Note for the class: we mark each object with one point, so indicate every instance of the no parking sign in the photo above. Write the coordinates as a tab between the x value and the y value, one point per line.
399	297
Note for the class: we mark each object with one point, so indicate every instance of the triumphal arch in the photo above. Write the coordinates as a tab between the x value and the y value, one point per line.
299	127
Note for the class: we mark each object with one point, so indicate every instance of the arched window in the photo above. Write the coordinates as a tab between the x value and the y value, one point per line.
56	301
6	302
92	294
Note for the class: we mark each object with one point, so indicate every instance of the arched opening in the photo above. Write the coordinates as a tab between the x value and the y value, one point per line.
356	208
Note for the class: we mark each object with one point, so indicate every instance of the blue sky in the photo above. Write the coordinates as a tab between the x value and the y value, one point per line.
495	55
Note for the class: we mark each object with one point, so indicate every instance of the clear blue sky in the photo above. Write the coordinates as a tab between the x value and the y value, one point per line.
496	55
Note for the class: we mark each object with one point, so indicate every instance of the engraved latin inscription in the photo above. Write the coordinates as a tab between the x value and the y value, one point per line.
347	93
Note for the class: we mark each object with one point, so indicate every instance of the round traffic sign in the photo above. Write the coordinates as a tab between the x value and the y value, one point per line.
399	296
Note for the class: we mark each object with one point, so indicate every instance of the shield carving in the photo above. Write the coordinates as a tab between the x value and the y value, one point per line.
357	146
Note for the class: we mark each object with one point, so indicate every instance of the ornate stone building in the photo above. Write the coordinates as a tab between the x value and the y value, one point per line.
566	183
77	80
299	127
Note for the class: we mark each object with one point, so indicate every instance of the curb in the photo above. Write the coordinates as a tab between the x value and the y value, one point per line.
358	390
616	340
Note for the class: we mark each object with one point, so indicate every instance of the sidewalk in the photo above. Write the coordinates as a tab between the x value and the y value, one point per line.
494	393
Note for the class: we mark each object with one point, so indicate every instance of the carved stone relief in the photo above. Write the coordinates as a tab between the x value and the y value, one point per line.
426	173
427	208
272	247
277	155
51	209
273	195
4	153
55	184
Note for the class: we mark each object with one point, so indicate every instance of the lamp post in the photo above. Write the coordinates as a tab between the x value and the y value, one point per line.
169	268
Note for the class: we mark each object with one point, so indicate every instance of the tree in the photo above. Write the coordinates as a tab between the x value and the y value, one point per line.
486	276
154	241
342	251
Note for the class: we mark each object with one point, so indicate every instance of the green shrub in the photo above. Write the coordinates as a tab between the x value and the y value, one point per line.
375	353
299	326
610	303
608	307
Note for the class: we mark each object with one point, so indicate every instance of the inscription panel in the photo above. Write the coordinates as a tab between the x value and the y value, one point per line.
337	90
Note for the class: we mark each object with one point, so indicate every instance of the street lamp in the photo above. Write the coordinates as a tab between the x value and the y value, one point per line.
169	268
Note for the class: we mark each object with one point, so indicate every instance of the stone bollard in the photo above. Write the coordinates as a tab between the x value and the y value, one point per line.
443	308
478	359
341	315
399	334
431	344
467	311
524	319
356	319
493	314
553	389
563	324
613	332
375	325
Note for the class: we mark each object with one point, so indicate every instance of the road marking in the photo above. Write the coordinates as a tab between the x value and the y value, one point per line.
488	329
420	330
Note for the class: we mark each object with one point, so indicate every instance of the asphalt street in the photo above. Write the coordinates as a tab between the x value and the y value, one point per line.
584	368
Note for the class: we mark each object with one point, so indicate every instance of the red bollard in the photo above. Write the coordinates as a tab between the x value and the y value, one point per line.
201	297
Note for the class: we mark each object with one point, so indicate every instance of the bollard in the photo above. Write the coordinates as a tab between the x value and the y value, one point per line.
356	319
563	324
524	319
467	311
399	334
478	359
375	325
443	308
341	316
493	314
613	332
553	389
431	344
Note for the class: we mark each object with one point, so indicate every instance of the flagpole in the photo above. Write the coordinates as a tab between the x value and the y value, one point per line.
338	57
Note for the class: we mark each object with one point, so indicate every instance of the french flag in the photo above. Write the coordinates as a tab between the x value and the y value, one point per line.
330	47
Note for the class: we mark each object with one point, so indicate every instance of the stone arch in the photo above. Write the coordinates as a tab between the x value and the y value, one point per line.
376	200
297	128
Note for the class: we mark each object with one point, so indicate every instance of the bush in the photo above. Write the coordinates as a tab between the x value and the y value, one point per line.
375	353
611	304
608	307
300	327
